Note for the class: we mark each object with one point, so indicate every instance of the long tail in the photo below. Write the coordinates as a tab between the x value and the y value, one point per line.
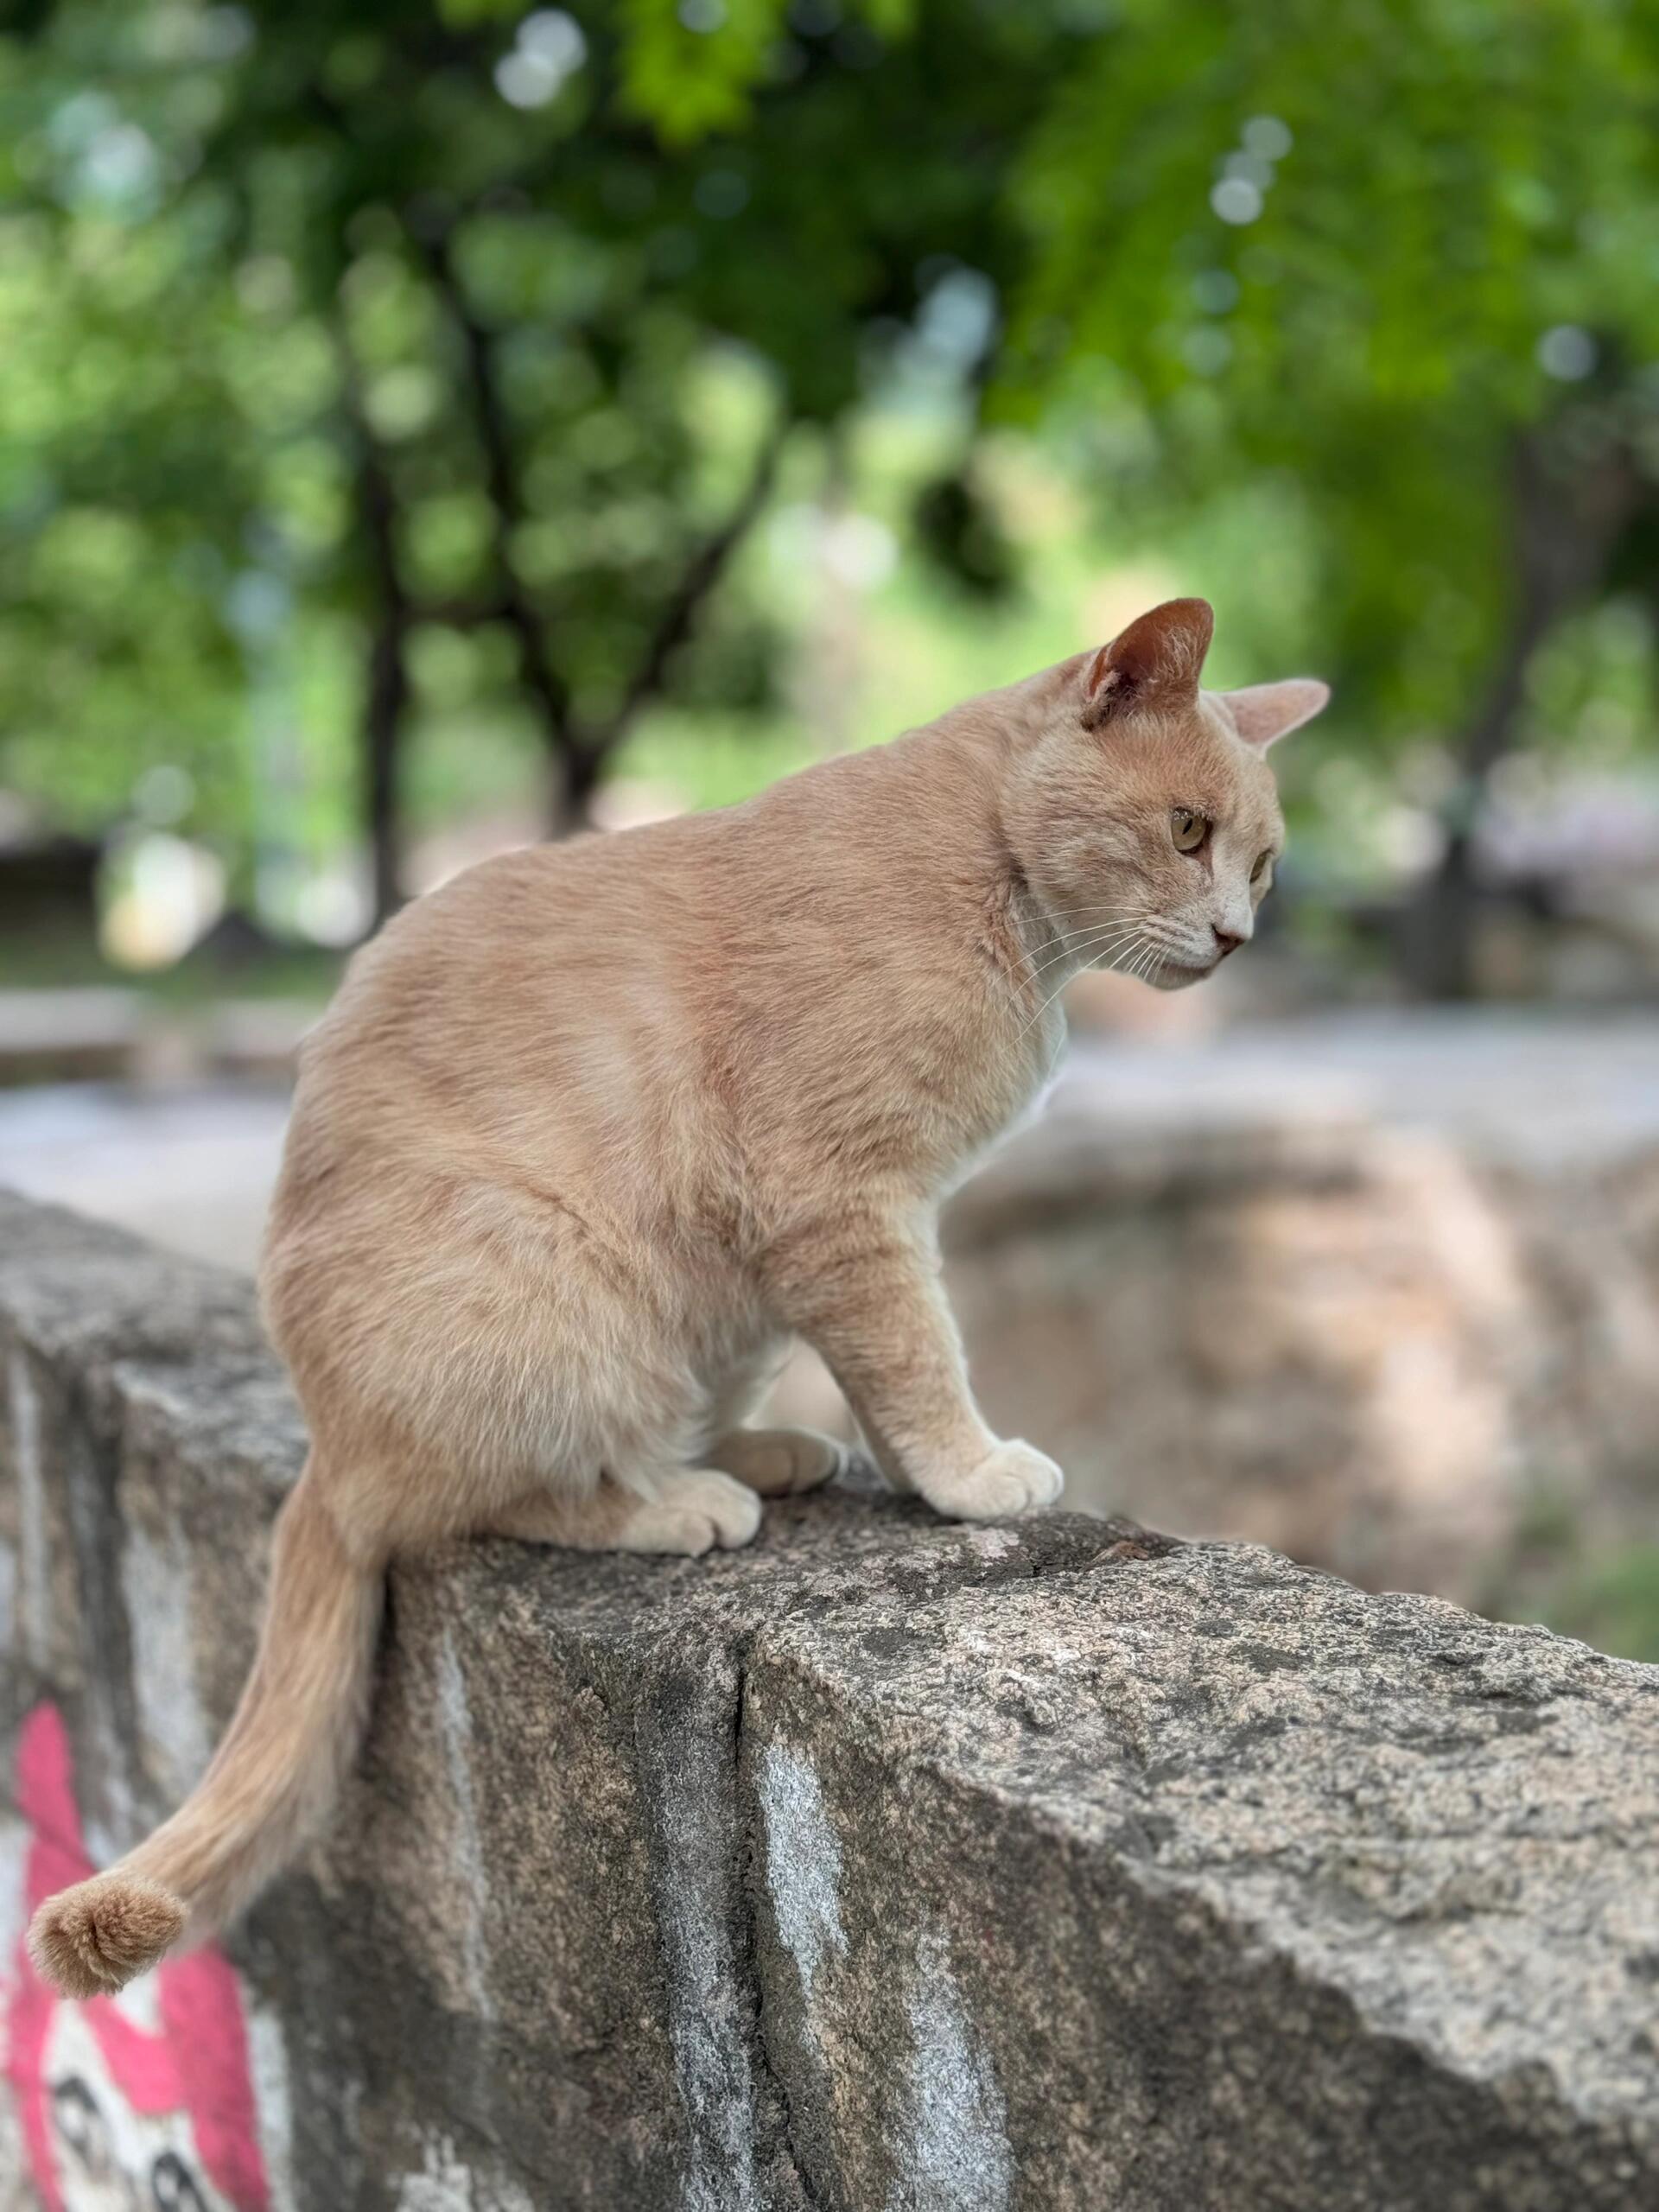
271	1781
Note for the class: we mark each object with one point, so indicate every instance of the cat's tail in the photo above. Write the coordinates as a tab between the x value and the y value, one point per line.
272	1779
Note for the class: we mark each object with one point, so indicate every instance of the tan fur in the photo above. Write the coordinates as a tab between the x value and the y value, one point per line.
91	1940
591	1132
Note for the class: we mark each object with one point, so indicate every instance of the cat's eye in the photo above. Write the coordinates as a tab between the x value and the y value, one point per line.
1263	872
1188	829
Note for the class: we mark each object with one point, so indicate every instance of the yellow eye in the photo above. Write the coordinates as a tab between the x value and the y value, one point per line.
1188	829
1263	872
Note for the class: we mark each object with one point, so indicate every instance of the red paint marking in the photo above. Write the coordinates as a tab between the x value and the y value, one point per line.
197	2065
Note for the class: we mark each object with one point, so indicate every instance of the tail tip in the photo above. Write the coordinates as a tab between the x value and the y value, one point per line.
92	1940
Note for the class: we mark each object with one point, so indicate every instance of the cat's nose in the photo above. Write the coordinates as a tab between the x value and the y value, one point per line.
1225	942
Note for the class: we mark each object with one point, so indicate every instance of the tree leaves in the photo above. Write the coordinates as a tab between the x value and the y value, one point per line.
1335	239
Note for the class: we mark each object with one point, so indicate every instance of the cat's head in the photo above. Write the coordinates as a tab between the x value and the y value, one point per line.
1144	812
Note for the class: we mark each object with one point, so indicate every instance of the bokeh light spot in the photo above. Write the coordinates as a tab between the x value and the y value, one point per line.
1235	200
1566	351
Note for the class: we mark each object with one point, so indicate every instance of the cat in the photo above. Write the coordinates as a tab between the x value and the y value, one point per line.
592	1132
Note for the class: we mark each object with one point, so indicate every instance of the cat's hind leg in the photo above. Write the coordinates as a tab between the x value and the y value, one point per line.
772	1462
779	1462
690	1511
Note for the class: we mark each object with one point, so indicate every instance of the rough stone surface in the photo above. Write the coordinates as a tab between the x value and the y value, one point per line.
886	1866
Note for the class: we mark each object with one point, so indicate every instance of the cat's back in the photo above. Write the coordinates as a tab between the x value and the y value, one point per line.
512	958
488	958
521	1009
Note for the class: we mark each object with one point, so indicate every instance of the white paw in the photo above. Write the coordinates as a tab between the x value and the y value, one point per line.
1014	1479
697	1511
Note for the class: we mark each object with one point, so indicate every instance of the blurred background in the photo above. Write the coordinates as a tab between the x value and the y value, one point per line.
426	429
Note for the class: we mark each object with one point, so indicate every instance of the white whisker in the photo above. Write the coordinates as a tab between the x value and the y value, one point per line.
1089	929
1097	930
1086	947
1083	932
1135	947
1124	941
1084	919
1095	907
1042	1009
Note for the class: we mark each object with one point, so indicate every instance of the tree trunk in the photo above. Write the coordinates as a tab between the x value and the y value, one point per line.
385	700
577	776
1442	924
1567	515
385	675
577	751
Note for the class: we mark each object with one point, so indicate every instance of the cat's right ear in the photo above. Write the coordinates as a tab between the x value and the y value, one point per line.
1157	661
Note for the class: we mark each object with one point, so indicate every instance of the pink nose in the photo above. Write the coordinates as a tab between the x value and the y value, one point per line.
1225	943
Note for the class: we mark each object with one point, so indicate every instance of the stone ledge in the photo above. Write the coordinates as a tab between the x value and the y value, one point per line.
888	1865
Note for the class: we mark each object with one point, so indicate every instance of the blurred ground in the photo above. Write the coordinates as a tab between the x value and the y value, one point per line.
192	1167
1534	1086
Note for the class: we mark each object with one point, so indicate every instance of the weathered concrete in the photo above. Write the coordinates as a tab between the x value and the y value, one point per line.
889	1866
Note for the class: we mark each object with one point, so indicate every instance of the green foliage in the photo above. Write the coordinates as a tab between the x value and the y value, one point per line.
1292	288
1329	240
1614	1604
1581	1585
255	258
692	67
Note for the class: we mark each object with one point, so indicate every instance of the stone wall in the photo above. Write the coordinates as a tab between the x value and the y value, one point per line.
889	1866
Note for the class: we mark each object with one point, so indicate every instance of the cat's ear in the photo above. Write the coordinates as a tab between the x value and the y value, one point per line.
1262	713
1156	661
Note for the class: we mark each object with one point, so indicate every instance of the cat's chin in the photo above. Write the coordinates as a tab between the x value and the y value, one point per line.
1172	975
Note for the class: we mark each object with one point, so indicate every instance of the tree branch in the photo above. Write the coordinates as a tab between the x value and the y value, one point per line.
462	613
581	749
543	681
680	611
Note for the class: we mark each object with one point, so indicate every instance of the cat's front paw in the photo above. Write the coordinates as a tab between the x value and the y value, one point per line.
697	1510
1014	1479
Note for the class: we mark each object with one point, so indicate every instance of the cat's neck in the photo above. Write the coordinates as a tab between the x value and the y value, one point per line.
996	728
1026	956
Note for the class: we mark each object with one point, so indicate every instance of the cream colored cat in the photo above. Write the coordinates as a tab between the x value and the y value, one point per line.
592	1132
